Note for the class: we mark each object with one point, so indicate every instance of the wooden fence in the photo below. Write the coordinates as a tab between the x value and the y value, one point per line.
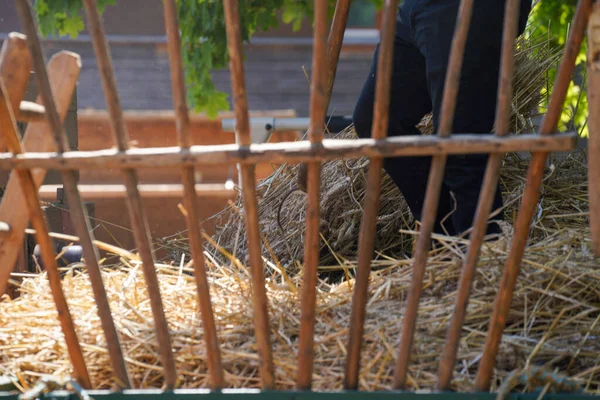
56	82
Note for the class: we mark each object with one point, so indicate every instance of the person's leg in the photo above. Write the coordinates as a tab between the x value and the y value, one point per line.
434	23
409	103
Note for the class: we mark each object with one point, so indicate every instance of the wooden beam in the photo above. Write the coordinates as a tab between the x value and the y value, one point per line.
289	152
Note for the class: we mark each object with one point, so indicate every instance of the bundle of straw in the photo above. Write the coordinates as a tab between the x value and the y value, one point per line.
281	209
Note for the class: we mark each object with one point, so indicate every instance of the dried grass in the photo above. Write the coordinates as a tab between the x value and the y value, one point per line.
554	318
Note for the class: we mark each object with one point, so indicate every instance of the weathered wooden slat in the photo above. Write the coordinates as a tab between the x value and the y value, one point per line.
289	152
15	69
9	131
530	199
334	48
432	194
63	71
190	199
486	197
134	199
77	209
259	296
108	191
366	241
318	104
334	44
593	93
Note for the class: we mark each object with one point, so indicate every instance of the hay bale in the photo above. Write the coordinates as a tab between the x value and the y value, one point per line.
281	209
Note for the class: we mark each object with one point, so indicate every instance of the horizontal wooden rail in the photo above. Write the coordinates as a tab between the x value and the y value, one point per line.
290	152
146	190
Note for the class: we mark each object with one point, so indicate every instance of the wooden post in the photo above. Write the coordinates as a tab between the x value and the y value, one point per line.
594	126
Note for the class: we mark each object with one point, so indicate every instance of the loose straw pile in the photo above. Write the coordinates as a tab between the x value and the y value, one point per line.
553	323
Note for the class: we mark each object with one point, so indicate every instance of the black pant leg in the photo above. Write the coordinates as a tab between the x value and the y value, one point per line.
433	29
409	103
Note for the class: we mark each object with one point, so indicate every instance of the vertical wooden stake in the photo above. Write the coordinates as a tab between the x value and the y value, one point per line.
248	181
313	212
486	197
432	194
190	199
594	126
366	240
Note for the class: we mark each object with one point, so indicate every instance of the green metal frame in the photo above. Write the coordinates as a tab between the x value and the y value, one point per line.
226	394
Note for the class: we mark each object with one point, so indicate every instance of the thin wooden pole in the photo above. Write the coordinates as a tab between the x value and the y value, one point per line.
79	214
190	198
530	199
318	103
486	197
334	44
287	152
432	194
594	126
259	296
134	199
9	131
334	48
366	241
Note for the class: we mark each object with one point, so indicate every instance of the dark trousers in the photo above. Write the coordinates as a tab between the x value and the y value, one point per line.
424	32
